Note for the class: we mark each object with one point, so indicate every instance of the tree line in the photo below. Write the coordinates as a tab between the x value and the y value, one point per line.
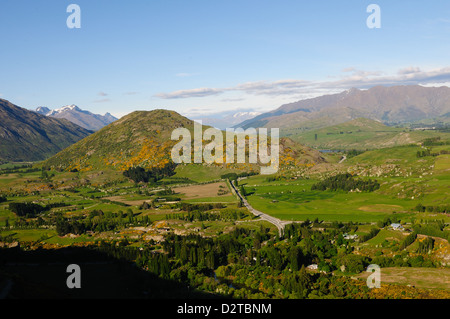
226	215
444	209
235	176
346	182
31	210
371	234
432	228
428	152
203	207
435	141
97	221
152	175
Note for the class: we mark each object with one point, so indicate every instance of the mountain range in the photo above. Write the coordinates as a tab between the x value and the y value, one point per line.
389	105
143	138
74	114
28	136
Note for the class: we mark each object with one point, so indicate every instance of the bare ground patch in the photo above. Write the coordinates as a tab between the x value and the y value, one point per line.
200	191
419	277
380	208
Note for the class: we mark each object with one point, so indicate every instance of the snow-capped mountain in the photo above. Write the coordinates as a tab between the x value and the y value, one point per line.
227	120
248	115
83	118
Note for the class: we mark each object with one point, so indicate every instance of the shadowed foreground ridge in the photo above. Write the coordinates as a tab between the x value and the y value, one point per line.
41	274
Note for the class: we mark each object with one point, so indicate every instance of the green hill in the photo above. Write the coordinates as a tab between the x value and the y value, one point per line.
144	139
138	139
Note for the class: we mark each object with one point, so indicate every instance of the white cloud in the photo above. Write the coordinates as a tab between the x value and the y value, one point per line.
214	112
361	79
183	94
409	70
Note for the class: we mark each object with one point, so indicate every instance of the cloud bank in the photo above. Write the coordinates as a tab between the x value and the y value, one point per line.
352	77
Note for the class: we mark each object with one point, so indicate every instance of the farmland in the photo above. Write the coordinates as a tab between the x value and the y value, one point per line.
190	227
404	182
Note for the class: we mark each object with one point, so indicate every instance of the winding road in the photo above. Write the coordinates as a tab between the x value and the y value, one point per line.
275	221
343	159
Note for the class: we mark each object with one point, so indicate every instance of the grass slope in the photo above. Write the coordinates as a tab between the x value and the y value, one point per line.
361	134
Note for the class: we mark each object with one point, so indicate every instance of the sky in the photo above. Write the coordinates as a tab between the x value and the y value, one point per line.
207	57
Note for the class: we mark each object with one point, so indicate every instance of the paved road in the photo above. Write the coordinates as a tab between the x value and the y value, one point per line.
275	221
343	159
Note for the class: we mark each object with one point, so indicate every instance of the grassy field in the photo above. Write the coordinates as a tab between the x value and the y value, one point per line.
294	200
429	278
405	181
386	235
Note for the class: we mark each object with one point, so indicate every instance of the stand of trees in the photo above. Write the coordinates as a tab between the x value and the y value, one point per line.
139	174
26	209
373	232
444	209
408	240
188	207
428	152
235	176
433	228
97	221
31	210
435	141
346	182
426	245
227	215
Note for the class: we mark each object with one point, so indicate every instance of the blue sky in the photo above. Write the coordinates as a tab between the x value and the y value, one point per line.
201	57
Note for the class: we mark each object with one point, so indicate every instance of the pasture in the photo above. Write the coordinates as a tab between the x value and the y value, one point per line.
294	200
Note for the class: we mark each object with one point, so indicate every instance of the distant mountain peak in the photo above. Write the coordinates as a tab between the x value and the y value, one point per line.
74	114
43	110
352	91
71	107
66	108
229	119
246	114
